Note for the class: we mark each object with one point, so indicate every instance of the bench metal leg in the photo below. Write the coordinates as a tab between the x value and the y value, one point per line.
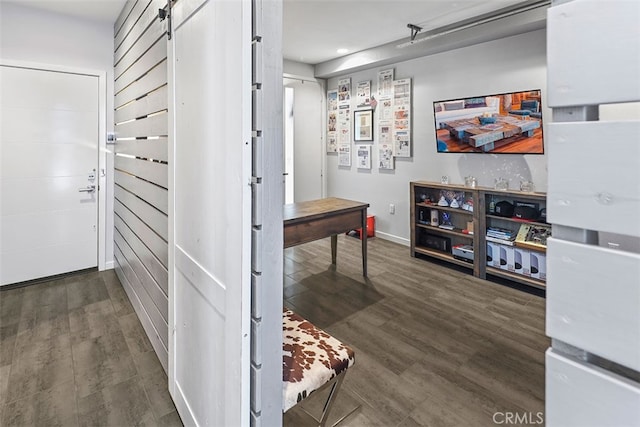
326	410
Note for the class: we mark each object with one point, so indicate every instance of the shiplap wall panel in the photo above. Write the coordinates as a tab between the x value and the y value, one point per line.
154	337
150	193
148	39
575	310
148	18
146	280
141	171
124	14
154	101
128	25
155	78
575	42
150	171
151	262
593	194
155	219
591	396
145	233
156	125
153	56
159	326
154	148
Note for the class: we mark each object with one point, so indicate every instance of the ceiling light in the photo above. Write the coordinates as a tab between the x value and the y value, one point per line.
342	51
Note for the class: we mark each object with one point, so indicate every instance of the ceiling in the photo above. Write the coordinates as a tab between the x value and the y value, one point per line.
313	30
103	11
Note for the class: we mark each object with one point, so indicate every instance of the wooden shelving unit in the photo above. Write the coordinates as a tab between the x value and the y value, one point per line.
424	198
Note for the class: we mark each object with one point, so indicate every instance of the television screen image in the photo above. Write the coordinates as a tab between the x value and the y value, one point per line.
501	123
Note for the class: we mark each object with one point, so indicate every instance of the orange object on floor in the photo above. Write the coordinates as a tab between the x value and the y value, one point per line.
371	227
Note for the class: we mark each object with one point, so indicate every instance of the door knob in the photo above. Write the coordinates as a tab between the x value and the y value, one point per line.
88	189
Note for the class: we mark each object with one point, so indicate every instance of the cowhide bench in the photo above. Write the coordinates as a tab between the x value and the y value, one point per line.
311	360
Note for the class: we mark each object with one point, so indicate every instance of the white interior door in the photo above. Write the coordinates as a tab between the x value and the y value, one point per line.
48	182
210	211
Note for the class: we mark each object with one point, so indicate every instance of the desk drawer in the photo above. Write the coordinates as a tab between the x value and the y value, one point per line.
304	232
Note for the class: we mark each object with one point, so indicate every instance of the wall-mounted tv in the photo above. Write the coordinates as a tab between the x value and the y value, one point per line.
499	123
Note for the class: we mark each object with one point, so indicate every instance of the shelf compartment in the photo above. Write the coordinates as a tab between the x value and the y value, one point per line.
442	255
445	208
518	220
455	232
505	274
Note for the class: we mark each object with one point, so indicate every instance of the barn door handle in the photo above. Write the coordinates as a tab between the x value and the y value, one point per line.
88	189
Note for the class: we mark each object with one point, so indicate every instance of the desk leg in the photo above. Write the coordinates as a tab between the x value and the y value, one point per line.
334	248
364	242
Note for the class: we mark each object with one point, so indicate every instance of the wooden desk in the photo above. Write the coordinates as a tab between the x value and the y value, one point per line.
316	219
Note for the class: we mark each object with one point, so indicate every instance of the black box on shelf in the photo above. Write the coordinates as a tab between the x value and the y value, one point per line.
531	205
436	242
526	210
504	208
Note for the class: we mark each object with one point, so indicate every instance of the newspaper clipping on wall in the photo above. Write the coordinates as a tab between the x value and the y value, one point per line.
363	94
364	156
384	132
344	124
332	121
344	91
344	155
385	156
385	83
402	118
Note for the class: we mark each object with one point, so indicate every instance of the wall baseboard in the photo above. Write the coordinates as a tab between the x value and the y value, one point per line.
109	265
393	238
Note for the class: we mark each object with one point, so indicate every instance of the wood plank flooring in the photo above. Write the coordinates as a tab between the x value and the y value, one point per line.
73	353
434	346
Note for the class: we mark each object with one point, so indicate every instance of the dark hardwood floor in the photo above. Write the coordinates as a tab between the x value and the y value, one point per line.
434	346
73	353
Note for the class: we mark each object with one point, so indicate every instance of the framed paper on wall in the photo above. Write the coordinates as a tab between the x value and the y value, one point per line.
363	125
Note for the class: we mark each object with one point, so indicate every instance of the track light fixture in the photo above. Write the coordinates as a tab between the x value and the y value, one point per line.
414	30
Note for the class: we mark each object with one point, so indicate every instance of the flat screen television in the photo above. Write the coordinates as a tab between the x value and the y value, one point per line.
500	123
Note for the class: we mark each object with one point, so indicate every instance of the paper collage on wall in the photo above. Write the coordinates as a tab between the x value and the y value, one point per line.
363	94
385	156
364	156
402	118
332	121
344	122
344	155
385	119
393	121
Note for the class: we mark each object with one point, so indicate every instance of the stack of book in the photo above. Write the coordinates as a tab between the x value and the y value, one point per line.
501	235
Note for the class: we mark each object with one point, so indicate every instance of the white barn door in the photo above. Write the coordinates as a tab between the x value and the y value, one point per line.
49	138
210	211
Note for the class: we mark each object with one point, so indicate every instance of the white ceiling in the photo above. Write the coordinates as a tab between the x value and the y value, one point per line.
104	11
315	29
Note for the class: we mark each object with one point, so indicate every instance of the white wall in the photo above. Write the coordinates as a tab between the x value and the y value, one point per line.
36	36
308	149
505	65
297	69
